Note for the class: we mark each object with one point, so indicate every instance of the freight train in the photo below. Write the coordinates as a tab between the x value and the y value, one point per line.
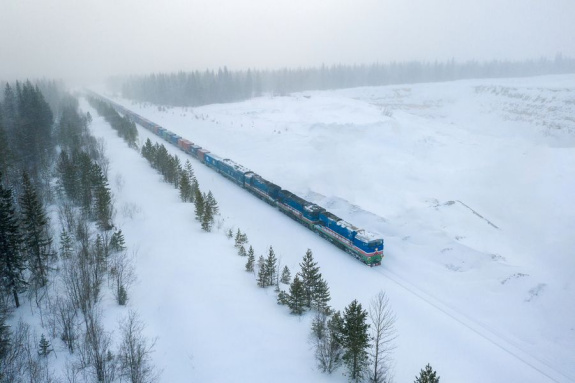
363	245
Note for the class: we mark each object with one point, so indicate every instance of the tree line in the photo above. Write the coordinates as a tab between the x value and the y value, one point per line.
208	87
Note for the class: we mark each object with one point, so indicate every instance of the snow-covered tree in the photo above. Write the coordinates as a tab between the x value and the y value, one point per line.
310	276
286	276
250	263
427	375
296	297
355	340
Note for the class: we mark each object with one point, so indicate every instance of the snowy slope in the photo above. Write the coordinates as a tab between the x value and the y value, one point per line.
469	182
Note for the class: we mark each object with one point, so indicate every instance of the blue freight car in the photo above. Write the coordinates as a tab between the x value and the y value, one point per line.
233	171
212	160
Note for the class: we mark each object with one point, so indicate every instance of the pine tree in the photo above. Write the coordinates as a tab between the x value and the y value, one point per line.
5	151
229	234
189	170
103	199
208	216
242	252
286	276
185	187
148	150
271	267
251	251
262	272
250	263
44	347
199	204
66	245
211	202
427	376
12	263
282	298
36	234
240	239
321	297
310	276
355	340
296	297
117	242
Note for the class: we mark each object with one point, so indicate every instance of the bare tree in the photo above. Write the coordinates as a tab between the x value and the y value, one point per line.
383	334
64	321
13	361
135	352
21	363
328	351
123	274
95	356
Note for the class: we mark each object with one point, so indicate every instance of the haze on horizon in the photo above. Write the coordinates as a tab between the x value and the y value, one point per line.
88	40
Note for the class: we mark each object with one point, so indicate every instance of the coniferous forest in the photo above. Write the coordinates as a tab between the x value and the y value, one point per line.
221	86
60	248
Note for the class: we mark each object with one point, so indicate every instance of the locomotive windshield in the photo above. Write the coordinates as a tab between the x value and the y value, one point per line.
376	245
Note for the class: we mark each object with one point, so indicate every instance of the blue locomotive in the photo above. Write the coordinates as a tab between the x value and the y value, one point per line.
365	246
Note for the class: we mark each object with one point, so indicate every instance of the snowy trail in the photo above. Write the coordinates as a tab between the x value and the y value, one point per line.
536	363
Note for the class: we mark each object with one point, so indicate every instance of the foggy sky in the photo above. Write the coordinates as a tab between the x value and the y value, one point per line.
90	39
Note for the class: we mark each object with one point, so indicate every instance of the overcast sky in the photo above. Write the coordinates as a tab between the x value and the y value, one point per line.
75	39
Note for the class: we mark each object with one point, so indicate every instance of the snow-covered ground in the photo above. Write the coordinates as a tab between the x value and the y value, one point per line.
471	184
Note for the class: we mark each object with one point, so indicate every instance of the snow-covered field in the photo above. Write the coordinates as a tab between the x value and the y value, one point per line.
471	184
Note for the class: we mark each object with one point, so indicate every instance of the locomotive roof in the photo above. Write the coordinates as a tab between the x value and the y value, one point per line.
311	207
263	180
367	236
236	166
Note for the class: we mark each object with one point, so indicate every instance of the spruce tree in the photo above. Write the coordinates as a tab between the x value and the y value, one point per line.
103	199
117	242
271	267
262	272
12	263
250	263
286	276
36	234
282	298
242	252
240	239
208	216
251	251
355	340
5	151
189	170
296	297
66	245
185	187
310	276
44	347
321	297
199	205
428	375
211	202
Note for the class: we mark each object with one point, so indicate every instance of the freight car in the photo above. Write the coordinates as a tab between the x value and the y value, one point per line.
365	246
